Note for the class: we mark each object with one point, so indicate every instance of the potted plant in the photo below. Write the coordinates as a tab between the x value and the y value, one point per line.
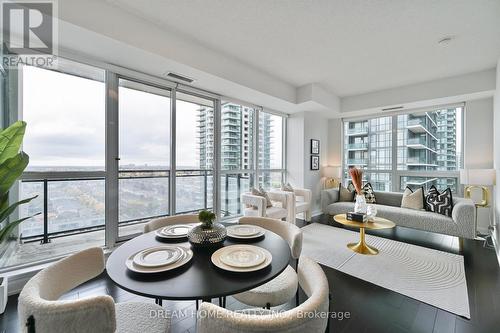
207	233
207	218
12	164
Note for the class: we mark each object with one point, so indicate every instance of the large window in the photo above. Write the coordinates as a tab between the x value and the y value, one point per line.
270	137
144	150
65	135
194	153
111	149
417	149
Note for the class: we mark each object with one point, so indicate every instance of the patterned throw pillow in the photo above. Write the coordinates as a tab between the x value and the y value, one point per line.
346	194
369	194
441	203
413	200
287	187
262	193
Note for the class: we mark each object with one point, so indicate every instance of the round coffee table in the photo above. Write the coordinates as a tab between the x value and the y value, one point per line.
377	223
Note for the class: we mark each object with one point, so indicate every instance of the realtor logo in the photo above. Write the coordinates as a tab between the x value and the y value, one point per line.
28	32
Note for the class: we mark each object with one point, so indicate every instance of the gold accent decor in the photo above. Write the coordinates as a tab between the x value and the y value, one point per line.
485	194
362	247
331	183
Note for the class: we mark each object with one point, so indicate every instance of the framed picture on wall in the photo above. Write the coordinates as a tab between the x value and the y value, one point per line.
314	146
314	162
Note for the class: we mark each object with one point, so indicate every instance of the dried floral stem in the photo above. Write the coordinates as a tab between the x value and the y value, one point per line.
356	178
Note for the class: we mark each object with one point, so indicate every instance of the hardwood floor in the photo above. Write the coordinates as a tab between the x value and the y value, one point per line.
370	308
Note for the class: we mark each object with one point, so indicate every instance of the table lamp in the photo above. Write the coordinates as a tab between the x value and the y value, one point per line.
332	175
478	179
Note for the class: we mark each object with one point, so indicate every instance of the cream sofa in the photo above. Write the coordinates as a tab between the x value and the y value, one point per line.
460	224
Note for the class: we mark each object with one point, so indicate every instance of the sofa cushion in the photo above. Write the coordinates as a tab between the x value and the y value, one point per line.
369	193
413	200
441	203
417	219
346	194
389	198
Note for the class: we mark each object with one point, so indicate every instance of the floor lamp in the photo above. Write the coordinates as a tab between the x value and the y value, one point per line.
479	179
332	175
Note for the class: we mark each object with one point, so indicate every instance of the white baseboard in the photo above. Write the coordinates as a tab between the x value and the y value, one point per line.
496	241
317	213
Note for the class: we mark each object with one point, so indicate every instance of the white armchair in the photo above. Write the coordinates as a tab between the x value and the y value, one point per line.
282	208
303	202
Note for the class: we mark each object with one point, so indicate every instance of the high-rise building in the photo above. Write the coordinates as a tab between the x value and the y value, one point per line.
237	123
237	147
426	141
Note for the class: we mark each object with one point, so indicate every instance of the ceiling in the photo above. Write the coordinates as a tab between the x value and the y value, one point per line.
348	47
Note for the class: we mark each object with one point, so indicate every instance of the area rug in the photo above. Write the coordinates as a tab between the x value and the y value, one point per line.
430	276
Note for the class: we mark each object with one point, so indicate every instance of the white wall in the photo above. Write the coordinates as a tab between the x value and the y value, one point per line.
335	142
295	149
301	128
432	93
478	145
315	127
496	126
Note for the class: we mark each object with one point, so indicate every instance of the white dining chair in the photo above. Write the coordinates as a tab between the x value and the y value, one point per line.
311	316
41	311
170	220
282	206
283	287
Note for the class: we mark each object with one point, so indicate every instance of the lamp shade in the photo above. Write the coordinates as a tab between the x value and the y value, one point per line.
485	177
332	172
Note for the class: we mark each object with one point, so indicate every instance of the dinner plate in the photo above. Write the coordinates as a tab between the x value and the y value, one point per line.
186	258
158	256
230	233
244	230
175	231
216	260
242	256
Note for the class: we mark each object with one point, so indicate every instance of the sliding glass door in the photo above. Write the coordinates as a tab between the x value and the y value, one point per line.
195	154
144	154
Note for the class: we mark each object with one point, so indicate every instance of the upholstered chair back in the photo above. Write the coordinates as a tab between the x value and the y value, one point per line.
310	316
39	298
289	232
170	220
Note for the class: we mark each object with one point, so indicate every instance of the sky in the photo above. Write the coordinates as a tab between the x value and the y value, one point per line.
66	119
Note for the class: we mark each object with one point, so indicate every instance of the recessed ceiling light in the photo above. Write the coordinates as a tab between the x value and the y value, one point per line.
446	40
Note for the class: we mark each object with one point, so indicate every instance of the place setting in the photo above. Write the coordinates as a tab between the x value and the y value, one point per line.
241	258
175	232
159	259
245	232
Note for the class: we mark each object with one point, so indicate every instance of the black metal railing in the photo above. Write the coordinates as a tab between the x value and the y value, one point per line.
46	234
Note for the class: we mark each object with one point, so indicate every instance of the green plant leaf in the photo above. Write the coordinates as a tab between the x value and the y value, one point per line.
6	212
11	139
6	231
10	170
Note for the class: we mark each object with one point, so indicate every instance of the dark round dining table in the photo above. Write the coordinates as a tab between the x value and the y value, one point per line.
200	279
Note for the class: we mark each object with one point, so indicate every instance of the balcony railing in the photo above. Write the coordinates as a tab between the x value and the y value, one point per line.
357	146
420	161
73	205
357	130
357	161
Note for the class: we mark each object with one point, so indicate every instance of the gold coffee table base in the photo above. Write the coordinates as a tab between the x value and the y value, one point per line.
361	247
376	223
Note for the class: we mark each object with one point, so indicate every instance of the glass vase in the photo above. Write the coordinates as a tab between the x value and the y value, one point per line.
360	204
